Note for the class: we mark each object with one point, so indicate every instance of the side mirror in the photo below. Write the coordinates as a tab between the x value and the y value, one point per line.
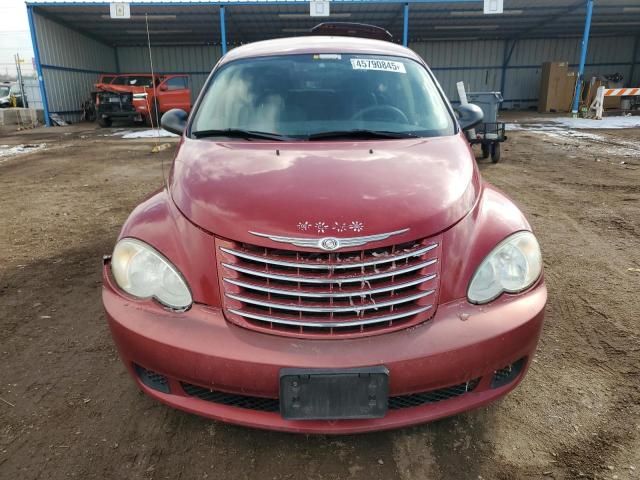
163	88
174	121
469	115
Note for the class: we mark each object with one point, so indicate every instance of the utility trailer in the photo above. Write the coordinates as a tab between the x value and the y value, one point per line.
491	133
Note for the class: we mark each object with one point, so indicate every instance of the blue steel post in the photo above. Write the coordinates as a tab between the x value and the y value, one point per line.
634	60
36	56
223	31
583	58
506	58
405	26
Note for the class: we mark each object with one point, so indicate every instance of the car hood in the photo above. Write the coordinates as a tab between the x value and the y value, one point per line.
105	87
322	189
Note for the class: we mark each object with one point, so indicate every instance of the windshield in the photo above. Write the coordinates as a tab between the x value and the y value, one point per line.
4	91
133	80
302	96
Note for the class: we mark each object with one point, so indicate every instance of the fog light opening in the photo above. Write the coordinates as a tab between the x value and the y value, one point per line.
507	374
152	379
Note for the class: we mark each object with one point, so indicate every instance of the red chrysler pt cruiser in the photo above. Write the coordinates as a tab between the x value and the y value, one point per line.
326	257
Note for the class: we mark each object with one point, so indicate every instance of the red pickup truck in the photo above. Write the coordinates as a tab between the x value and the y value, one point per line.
141	97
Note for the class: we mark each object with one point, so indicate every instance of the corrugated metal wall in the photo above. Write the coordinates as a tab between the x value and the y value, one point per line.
71	63
195	60
32	91
479	63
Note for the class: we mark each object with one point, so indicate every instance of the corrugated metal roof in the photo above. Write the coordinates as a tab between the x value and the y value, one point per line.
197	22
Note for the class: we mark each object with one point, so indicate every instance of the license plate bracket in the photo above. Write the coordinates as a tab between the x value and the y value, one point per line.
340	394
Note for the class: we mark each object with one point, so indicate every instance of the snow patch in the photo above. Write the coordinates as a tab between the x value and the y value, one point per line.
564	129
13	150
562	123
606	122
151	133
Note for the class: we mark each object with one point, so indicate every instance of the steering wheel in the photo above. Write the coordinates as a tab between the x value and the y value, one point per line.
389	109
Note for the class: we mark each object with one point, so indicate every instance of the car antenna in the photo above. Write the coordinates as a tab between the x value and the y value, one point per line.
153	112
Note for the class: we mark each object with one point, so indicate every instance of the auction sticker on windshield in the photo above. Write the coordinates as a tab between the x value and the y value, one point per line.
373	64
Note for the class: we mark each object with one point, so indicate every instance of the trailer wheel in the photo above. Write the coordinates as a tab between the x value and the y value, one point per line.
104	122
485	150
495	152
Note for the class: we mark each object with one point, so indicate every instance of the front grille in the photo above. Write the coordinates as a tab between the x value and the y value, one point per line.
152	379
110	102
273	404
358	292
418	399
507	374
232	400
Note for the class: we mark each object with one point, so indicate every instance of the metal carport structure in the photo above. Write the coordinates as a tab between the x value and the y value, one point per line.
76	41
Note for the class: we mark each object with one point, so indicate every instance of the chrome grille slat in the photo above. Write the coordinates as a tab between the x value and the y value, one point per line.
337	266
343	309
308	292
344	242
340	324
326	294
334	280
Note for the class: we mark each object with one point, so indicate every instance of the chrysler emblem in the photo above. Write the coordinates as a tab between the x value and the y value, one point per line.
330	244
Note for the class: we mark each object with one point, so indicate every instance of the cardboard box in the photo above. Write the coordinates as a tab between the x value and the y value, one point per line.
553	81
612	103
565	97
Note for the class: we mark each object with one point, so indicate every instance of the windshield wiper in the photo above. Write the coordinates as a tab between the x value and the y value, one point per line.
240	133
360	134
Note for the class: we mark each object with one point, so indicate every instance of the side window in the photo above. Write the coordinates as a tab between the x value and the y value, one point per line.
140	81
176	83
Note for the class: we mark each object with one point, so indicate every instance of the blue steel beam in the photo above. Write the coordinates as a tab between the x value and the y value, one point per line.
36	56
223	31
405	25
583	58
550	19
232	2
634	60
508	51
117	57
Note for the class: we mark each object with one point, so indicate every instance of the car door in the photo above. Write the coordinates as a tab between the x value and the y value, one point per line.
174	92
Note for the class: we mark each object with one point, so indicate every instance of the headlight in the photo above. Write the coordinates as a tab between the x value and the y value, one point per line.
513	266
143	272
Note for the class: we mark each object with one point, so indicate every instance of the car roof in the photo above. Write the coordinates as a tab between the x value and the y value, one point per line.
143	75
319	44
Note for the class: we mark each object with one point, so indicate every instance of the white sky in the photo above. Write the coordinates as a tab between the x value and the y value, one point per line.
14	35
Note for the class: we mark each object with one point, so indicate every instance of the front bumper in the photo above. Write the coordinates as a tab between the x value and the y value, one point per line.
462	343
128	114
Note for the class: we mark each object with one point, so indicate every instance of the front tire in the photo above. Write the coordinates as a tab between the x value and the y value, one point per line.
495	152
104	122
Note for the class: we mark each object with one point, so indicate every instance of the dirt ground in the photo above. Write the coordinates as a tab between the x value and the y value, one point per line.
69	410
